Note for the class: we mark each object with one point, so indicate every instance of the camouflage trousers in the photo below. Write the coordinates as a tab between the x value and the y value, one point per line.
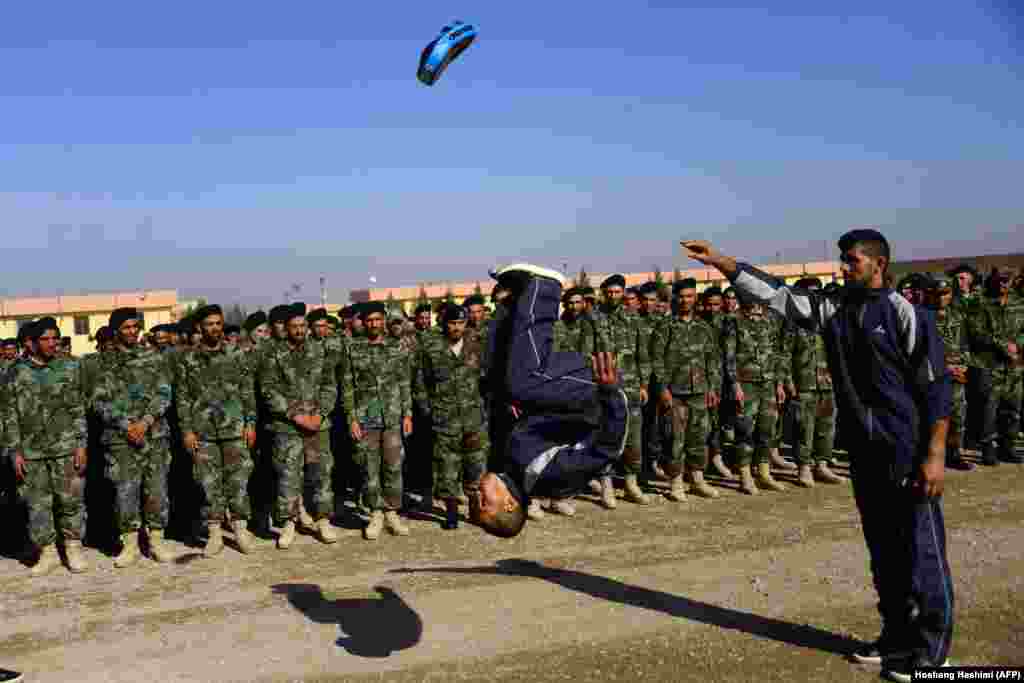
140	478
222	470
689	434
54	495
379	455
294	455
755	423
633	455
816	429
461	456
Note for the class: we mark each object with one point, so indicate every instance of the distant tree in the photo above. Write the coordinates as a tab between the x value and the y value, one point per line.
477	289
391	304
677	275
449	296
659	279
192	308
422	298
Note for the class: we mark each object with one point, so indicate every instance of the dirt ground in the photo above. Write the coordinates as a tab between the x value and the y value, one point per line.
774	587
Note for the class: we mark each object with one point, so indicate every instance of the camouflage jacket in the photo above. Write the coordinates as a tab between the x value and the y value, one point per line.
131	385
45	413
376	384
686	356
450	385
624	335
294	382
578	335
990	327
804	360
215	393
952	326
754	351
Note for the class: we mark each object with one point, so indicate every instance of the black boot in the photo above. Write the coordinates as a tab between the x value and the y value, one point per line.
989	454
1008	454
451	521
955	460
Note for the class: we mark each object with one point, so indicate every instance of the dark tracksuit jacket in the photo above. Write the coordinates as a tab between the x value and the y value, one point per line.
887	363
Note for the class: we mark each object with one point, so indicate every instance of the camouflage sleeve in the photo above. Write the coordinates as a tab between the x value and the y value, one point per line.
184	398
10	439
328	396
980	329
78	409
248	388
405	383
659	344
106	404
728	337
587	339
348	388
270	386
787	347
713	360
160	402
643	356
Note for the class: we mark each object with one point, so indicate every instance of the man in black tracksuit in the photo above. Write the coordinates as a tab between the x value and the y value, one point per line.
892	395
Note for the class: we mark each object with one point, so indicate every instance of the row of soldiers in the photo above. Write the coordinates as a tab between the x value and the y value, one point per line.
265	418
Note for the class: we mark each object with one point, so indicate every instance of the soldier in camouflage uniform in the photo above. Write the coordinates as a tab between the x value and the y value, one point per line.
715	315
318	323
216	406
631	300
625	339
949	320
687	360
376	391
448	382
574	331
806	373
298	380
131	398
44	429
964	278
753	370
996	337
649	319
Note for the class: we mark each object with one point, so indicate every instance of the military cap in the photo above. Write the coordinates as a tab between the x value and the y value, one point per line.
316	314
423	308
685	283
41	326
104	334
452	312
232	329
808	283
635	291
254	320
120	316
473	300
962	268
296	310
201	314
346	312
26	331
186	326
648	287
939	283
333	322
713	290
913	281
729	291
370	307
570	293
589	293
616	280
847	241
279	313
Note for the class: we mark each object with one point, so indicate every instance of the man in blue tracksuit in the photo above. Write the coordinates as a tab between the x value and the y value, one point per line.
893	398
572	418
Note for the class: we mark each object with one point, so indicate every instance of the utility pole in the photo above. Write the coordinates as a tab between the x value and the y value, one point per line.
323	292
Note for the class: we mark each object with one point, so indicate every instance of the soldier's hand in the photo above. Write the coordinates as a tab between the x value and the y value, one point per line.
931	476
20	467
780	394
356	431
407	425
666	399
313	422
1012	349
79	460
699	250
249	434
643	396
137	432
712	399
191	441
792	392
740	397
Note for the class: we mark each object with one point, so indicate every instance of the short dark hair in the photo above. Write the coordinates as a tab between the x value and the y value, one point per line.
507	523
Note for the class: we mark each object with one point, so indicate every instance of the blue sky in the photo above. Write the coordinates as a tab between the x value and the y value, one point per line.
232	149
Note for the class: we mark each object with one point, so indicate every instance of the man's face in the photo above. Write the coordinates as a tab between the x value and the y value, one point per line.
280	331
212	330
476	314
374	325
686	299
260	332
395	328
9	352
631	301
321	328
713	304
492	497
613	295
162	338
106	346
47	345
588	304
455	329
423	320
576	306
649	303
357	325
730	303
296	330
861	270
964	282
128	333
232	338
943	298
664	306
752	310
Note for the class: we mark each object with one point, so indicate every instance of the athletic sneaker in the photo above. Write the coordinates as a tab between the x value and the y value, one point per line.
8	676
529	269
903	670
874	653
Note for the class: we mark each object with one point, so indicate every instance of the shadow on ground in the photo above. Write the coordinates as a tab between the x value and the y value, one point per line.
371	627
659	601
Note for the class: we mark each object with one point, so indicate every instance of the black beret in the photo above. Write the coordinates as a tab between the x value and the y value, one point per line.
570	293
186	326
847	241
26	331
452	312
232	329
713	290
316	314
939	282
808	283
370	307
296	310
632	290
205	312
120	315
728	291
42	325
963	268
346	312
648	288
423	308
474	300
279	314
914	281
614	281
254	320
104	334
333	322
686	283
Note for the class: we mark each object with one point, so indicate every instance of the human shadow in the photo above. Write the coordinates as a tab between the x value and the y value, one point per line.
674	605
371	627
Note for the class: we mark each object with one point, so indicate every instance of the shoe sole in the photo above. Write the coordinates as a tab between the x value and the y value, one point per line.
901	677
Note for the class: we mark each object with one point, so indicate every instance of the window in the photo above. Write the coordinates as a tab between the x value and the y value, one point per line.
82	325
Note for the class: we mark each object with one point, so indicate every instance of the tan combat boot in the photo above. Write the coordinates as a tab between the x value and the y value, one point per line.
747	481
595	487
720	467
563	506
633	492
699	487
243	538
287	535
47	562
306	522
395	524
806	477
73	555
778	461
129	554
325	531
608	493
157	550
823	474
677	493
215	543
374	527
765	479
535	511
